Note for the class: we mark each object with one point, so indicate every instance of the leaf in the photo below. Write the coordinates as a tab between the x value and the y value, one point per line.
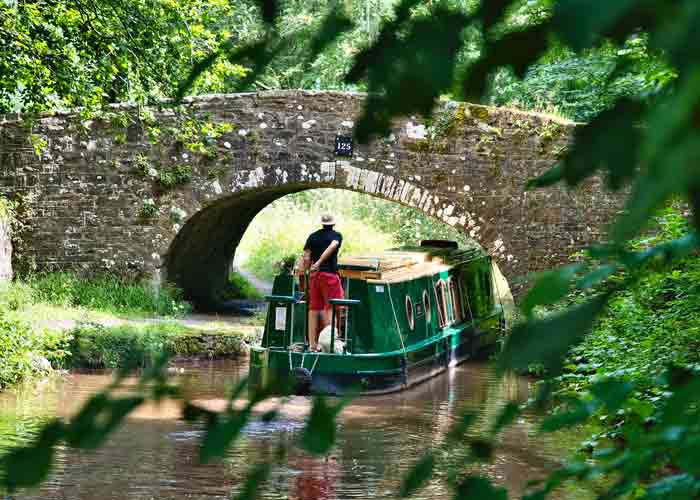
319	433
98	418
492	11
221	432
517	49
335	24
596	276
612	393
269	10
29	466
417	476
582	27
479	488
676	487
481	449
419	67
200	67
505	417
387	37
550	177
259	475
548	340
595	148
457	432
550	287
577	415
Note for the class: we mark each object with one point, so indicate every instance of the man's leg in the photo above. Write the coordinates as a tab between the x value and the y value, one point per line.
313	329
325	318
315	305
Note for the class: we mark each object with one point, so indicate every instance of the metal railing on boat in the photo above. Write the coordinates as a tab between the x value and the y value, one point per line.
289	301
349	303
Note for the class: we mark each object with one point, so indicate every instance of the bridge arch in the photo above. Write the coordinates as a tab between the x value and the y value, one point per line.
200	254
163	191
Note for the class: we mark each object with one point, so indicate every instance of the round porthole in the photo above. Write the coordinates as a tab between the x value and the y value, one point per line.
410	315
426	305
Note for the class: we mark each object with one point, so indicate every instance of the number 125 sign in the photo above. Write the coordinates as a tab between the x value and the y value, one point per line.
343	145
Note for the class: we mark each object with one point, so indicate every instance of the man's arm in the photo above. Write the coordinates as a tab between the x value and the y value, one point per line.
326	253
306	263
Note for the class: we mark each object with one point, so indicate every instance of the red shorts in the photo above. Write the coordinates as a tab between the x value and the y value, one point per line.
324	287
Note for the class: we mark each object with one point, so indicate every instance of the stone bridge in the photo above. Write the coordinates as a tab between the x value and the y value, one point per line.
167	192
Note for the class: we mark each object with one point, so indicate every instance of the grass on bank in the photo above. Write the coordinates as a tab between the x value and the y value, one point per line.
99	322
104	293
239	287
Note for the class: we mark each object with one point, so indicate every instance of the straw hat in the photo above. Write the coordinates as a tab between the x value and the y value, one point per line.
327	220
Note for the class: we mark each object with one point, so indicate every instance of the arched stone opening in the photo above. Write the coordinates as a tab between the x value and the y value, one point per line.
200	256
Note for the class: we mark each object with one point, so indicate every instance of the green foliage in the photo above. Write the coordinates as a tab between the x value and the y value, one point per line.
281	229
319	434
67	53
105	293
642	136
175	176
97	346
148	209
239	287
21	349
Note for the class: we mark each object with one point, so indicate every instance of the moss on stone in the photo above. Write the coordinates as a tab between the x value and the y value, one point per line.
479	112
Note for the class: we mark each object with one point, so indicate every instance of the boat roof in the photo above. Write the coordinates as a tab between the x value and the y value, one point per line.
403	264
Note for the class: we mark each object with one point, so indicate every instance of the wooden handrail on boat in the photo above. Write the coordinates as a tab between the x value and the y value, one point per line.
339	303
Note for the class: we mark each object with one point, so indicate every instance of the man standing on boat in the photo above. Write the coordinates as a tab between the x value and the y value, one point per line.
321	258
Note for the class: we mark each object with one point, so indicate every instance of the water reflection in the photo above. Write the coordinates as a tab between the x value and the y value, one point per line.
155	454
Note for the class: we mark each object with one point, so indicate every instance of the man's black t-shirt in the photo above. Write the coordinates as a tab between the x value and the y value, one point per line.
318	241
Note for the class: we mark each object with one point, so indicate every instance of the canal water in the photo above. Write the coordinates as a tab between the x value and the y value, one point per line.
154	455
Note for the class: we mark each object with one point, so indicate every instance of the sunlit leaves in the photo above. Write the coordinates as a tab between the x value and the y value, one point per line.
548	340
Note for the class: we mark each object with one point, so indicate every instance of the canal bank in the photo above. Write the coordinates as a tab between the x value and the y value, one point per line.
27	353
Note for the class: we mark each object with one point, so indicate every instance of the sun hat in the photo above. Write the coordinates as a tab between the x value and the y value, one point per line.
327	220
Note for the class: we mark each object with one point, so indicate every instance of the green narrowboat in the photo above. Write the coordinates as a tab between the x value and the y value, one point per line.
408	314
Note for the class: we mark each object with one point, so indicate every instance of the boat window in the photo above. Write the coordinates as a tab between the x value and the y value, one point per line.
441	301
426	305
410	316
456	297
449	303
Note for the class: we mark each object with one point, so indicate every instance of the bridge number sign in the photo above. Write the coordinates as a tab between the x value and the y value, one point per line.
343	145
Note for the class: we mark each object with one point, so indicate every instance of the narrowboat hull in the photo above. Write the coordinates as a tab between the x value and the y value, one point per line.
378	373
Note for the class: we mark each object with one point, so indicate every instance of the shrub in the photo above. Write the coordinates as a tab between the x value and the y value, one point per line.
239	288
21	348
